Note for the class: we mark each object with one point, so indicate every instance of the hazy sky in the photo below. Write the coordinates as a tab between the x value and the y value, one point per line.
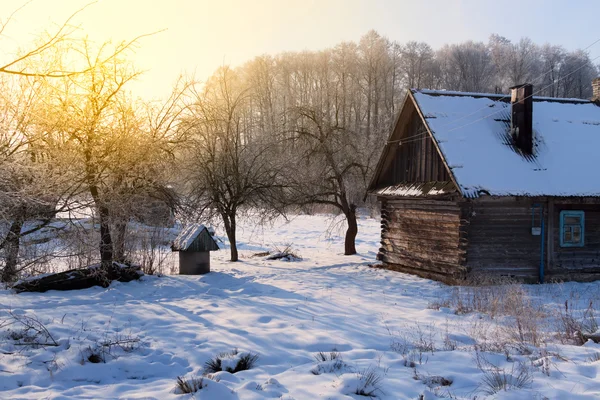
201	35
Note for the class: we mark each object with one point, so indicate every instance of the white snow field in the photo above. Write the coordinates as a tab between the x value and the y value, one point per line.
392	335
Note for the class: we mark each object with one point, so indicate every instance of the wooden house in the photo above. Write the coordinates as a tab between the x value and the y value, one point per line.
194	244
491	184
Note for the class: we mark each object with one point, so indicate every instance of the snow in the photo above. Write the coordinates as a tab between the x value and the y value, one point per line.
187	236
470	130
286	312
416	189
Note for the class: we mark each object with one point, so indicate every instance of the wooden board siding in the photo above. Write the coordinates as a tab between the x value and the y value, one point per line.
415	160
500	240
423	237
569	260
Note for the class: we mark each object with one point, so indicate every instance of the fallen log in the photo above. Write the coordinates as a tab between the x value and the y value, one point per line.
283	255
594	337
82	278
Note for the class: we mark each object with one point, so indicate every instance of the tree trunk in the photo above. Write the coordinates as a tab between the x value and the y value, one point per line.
120	230
349	243
12	245
230	227
106	245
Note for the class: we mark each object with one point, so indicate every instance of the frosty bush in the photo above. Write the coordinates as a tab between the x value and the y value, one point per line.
496	379
369	382
574	327
414	343
331	356
328	363
489	295
188	385
27	330
232	362
285	253
111	347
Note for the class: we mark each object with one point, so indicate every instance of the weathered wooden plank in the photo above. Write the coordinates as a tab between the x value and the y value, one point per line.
418	217
436	266
421	202
499	238
448	279
440	225
424	246
427	207
424	237
430	255
426	234
403	240
418	231
407	259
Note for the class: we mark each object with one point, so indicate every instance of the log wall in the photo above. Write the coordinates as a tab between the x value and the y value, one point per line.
450	240
500	240
423	237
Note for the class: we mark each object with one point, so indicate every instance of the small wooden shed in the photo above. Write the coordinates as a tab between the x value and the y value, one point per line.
194	244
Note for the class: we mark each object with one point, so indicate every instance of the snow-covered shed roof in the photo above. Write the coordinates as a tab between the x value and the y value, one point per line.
472	132
195	237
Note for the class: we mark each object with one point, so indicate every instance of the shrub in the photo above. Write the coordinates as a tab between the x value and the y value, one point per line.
232	362
369	382
109	347
574	328
188	385
328	363
496	379
28	331
323	357
594	357
433	381
418	340
286	253
488	295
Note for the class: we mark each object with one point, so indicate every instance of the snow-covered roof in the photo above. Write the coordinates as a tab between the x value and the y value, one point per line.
417	189
189	234
472	130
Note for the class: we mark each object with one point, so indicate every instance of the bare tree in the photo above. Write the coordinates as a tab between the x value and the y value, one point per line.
576	74
31	181
225	173
36	181
330	163
416	60
552	57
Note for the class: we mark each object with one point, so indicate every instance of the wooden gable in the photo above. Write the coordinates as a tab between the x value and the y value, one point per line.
411	154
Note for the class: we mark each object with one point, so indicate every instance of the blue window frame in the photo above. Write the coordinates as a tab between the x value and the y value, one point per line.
572	228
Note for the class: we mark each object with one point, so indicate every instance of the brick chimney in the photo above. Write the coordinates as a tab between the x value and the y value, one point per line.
596	90
521	121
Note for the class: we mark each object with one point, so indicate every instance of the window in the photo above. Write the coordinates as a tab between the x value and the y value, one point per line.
572	228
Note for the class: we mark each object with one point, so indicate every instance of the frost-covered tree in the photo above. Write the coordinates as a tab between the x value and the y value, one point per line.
117	149
226	168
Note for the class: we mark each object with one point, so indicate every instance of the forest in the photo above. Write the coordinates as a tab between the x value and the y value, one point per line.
83	160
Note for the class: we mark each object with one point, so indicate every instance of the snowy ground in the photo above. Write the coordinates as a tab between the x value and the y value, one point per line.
379	321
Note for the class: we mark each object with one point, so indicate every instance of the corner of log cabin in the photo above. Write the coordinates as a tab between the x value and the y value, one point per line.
423	237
